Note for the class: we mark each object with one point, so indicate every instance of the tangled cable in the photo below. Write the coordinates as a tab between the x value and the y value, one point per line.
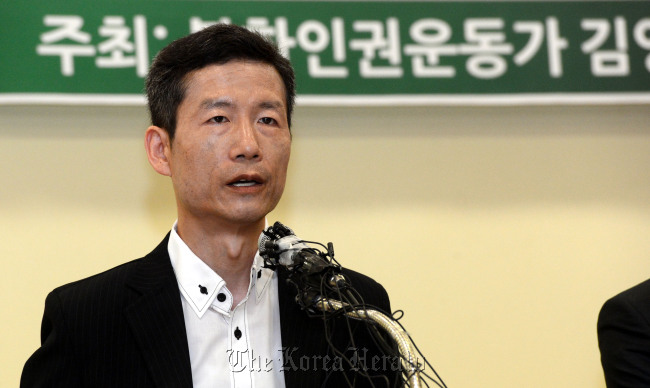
323	292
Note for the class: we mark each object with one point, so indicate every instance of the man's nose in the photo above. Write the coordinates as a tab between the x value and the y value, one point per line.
245	142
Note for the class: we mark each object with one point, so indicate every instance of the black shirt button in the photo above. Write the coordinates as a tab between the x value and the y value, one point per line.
259	274
237	333
221	297
203	290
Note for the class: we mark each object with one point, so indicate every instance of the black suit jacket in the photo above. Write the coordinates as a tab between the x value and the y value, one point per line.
624	338
125	328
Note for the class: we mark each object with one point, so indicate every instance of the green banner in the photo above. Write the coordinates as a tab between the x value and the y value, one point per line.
343	51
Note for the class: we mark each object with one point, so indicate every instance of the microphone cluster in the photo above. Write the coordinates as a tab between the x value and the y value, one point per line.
313	273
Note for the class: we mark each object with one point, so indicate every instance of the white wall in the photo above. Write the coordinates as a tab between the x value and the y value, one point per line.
499	231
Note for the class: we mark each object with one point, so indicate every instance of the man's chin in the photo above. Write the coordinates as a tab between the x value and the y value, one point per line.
247	217
250	213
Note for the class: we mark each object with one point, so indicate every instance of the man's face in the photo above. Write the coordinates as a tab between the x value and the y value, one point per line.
229	157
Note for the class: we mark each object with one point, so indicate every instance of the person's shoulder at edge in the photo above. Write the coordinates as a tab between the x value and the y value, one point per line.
624	337
638	295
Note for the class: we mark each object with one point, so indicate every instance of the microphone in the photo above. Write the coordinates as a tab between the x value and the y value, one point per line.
278	245
311	271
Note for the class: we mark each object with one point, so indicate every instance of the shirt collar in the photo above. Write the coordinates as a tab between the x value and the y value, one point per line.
260	276
200	285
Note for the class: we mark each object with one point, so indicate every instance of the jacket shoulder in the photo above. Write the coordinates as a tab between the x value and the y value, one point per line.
624	337
108	279
636	298
145	271
362	280
372	292
640	292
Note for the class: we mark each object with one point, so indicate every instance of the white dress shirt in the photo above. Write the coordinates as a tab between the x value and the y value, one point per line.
229	347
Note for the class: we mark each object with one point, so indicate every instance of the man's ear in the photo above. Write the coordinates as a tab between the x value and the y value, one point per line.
158	146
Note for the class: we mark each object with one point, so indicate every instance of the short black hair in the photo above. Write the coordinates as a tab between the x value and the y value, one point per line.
217	44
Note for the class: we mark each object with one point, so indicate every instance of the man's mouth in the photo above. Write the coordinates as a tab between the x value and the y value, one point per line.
244	183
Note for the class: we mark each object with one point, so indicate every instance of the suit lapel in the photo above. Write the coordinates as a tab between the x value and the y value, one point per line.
156	319
301	336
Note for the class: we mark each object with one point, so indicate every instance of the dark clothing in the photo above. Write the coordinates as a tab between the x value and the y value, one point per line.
624	338
125	328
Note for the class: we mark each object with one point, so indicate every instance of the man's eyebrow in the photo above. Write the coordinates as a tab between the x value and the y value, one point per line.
271	105
226	103
219	103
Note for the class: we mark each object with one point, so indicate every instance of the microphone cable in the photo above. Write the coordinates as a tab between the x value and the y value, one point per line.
317	278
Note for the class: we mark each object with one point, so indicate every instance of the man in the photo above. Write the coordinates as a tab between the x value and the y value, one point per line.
201	310
624	338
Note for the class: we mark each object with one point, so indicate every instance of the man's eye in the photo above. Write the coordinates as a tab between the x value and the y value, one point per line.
219	119
267	120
